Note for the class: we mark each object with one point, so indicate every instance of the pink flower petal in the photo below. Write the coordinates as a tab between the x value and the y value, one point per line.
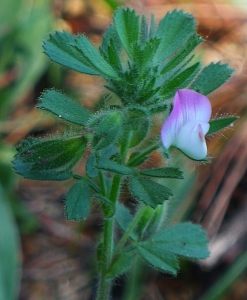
194	106
187	124
172	124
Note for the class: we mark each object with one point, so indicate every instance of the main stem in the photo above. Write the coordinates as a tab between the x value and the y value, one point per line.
108	242
105	284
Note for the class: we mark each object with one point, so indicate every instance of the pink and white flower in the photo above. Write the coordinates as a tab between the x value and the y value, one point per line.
186	126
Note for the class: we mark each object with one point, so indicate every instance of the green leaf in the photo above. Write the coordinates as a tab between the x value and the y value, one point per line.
174	30
111	48
59	49
111	166
107	127
64	107
91	170
25	169
77	203
179	81
9	252
49	159
211	77
144	221
137	121
136	159
168	172
166	262
108	152
157	108
218	124
156	220
92	58
144	55
149	191
143	38
182	53
124	218
127	24
184	239
147	89
152	29
120	265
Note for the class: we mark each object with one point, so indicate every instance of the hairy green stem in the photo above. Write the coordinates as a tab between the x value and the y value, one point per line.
130	229
143	154
105	285
102	183
91	183
125	146
108	243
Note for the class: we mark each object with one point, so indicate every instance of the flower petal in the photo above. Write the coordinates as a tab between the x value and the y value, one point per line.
191	140
188	106
172	125
194	106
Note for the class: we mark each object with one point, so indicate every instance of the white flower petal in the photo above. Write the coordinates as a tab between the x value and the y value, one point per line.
191	140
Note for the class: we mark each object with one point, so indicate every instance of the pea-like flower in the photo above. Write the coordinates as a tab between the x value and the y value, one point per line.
186	126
